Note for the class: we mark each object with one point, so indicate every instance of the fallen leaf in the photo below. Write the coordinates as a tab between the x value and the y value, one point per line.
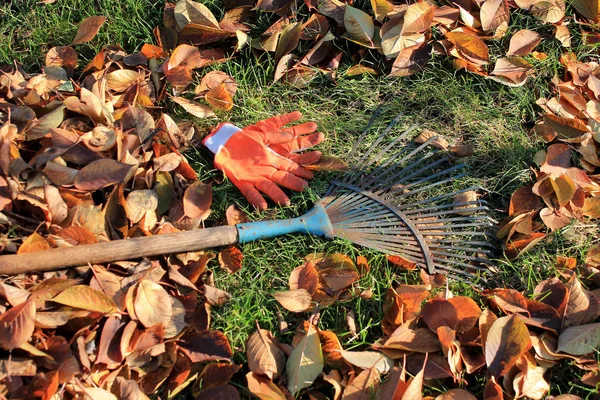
305	277
433	138
151	303
369	359
470	47
359	25
196	109
305	363
208	345
298	300
363	386
507	339
263	388
219	98
197	200
231	259
579	340
493	14
523	42
88	28
17	325
34	242
101	173
86	298
264	355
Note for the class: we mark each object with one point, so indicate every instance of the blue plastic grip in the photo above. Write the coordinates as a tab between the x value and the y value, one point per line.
315	222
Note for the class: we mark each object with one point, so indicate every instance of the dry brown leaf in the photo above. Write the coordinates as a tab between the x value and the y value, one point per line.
88	28
86	298
264	355
197	200
548	11
523	42
101	173
263	388
507	339
17	325
196	109
219	98
298	300
34	242
305	277
231	259
493	14
433	138
152	303
235	216
418	18
363	386
470	47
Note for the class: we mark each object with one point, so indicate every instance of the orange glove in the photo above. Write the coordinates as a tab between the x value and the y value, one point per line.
255	158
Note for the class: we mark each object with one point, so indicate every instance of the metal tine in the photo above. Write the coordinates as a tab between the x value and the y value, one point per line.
361	161
405	169
432	185
467	243
479	218
436	227
436	198
367	223
464	265
352	153
381	170
481	206
427	178
360	140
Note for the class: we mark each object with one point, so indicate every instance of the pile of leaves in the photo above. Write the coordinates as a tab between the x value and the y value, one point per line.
440	339
562	193
406	35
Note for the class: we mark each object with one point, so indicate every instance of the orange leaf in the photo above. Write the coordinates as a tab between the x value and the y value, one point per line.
294	300
305	277
17	325
470	46
507	339
34	242
231	259
219	98
88	28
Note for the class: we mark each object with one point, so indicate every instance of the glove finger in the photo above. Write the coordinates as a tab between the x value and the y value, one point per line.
252	195
305	142
272	190
305	158
276	137
280	120
302	129
284	164
289	180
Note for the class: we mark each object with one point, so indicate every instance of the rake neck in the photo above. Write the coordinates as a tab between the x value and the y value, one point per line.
315	222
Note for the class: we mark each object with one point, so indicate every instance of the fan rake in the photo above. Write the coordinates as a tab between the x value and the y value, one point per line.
393	199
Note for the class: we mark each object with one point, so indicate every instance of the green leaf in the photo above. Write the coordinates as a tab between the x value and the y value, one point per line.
305	363
579	340
86	298
359	25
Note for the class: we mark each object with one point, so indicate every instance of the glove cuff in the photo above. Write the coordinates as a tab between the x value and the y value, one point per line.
219	136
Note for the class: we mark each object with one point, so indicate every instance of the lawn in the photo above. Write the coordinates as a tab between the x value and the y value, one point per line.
460	106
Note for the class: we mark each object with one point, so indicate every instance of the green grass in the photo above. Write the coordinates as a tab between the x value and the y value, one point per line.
462	106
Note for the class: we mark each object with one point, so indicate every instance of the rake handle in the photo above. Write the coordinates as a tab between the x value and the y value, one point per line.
118	250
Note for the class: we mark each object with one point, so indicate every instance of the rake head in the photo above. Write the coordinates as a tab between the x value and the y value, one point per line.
400	199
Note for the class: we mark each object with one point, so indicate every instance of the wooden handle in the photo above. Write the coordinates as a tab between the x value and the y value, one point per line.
118	250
